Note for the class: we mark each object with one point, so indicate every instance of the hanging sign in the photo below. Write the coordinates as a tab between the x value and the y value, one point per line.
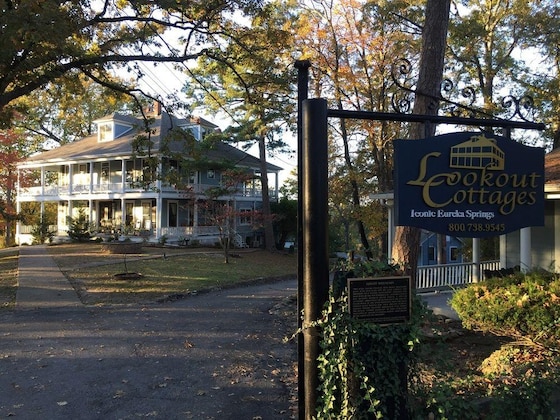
468	184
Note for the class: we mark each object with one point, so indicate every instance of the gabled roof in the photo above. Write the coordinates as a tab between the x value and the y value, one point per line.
89	148
117	117
552	167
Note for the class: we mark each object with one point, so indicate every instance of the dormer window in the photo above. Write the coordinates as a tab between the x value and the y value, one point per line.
105	132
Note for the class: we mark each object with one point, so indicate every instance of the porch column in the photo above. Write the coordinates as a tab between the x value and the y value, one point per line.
503	251
42	181
70	178
525	260
276	186
476	260
123	213
90	210
123	178
91	177
70	209
235	215
195	218
159	211
18	207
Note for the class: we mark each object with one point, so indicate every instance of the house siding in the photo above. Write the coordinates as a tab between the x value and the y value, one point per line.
105	179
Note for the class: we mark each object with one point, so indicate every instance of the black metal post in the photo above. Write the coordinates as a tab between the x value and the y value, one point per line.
303	86
315	240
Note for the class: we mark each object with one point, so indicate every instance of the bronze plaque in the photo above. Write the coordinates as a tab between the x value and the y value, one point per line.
383	300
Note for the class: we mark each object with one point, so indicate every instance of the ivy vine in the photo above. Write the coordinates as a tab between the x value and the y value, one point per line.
364	367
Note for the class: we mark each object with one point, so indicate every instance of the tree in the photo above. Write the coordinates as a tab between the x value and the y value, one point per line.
48	41
285	220
220	212
68	110
249	80
482	39
11	152
434	35
542	76
353	46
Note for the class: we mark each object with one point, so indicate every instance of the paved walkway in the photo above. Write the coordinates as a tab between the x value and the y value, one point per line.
438	302
40	283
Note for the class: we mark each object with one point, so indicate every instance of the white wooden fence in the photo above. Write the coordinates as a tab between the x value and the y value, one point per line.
434	277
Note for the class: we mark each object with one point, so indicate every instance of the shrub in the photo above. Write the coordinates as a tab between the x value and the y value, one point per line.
522	375
41	232
521	305
79	229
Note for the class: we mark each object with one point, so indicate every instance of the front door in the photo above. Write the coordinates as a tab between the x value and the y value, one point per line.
129	213
172	214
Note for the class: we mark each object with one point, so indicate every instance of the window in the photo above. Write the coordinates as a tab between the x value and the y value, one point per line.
129	213
431	253
210	174
245	216
454	253
172	208
105	172
129	171
147	215
105	132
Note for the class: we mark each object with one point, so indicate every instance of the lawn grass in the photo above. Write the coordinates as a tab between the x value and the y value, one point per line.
166	272
8	277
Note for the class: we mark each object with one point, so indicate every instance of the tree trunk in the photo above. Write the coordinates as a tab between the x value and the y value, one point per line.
434	36
354	187
267	217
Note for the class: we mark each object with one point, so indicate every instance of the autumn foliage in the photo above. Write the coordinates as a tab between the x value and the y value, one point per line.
10	155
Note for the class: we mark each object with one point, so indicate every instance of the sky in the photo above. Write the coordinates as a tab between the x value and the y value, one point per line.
163	80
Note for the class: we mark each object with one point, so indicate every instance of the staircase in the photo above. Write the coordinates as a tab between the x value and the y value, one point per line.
239	242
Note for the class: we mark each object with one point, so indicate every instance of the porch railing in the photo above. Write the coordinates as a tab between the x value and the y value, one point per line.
435	277
77	189
189	231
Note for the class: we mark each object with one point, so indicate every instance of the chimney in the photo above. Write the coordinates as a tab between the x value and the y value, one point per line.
157	108
153	109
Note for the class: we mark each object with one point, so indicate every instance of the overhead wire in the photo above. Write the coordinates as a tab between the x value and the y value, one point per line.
145	71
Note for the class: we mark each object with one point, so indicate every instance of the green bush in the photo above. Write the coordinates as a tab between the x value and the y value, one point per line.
79	228
521	305
524	373
41	232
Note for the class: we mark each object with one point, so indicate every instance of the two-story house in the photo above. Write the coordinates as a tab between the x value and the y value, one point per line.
107	178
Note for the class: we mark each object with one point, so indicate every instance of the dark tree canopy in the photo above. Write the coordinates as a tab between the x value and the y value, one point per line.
44	40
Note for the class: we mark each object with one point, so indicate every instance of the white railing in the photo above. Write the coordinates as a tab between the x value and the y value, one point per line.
177	232
54	190
190	231
433	277
28	229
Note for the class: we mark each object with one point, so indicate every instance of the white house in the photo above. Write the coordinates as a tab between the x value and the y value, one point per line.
539	246
101	175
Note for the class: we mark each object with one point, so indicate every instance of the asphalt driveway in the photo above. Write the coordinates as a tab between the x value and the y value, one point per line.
218	355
